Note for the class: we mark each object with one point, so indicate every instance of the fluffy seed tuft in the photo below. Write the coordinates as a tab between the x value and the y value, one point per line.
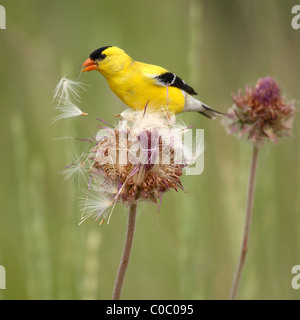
65	91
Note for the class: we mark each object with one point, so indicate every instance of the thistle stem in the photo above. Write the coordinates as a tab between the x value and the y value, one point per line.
126	253
247	226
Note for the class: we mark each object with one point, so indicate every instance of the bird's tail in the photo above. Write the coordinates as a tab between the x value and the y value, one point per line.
192	104
209	112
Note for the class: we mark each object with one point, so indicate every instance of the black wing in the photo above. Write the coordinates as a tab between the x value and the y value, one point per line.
172	80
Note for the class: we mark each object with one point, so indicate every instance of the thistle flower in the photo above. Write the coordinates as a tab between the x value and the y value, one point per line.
138	160
261	113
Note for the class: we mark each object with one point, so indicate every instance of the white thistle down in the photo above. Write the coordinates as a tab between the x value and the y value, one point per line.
67	111
65	91
148	119
100	196
78	168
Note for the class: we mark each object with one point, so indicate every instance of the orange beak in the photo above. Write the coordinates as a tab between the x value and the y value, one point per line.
89	65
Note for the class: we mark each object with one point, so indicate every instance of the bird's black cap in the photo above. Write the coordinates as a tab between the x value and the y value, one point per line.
97	53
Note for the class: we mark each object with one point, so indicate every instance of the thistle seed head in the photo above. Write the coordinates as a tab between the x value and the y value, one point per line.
140	159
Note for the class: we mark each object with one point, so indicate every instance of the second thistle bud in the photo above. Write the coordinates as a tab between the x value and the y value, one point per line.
261	114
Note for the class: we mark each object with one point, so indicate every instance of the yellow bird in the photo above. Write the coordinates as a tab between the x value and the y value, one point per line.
139	84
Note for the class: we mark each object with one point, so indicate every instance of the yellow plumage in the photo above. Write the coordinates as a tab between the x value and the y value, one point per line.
138	84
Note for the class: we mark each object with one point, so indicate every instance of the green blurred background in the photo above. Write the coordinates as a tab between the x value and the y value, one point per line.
190	249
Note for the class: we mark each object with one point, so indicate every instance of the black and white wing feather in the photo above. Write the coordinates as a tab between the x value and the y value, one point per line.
166	78
170	79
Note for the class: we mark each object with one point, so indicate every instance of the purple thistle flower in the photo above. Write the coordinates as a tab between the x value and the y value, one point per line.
261	113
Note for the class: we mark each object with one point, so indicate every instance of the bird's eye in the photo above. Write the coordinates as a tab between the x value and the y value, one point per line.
100	58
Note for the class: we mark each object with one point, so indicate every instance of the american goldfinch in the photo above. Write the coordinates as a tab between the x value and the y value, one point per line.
139	84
